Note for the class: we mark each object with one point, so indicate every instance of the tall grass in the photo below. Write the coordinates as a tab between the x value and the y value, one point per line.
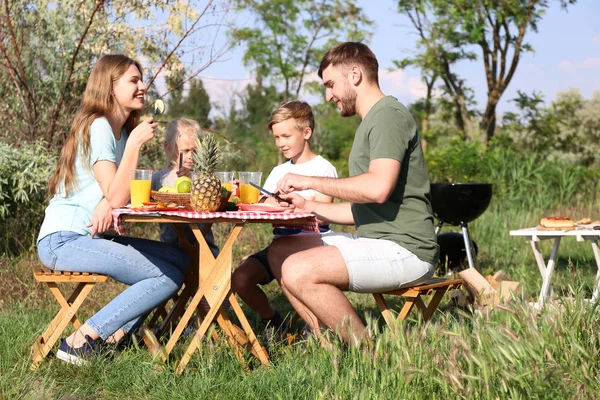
507	354
510	352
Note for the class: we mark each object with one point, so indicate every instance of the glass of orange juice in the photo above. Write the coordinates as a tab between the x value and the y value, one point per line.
226	179
248	193
140	187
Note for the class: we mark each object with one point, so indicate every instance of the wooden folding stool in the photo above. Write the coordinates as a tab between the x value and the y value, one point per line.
436	287
69	307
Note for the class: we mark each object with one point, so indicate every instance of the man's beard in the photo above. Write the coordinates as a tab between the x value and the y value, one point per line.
348	103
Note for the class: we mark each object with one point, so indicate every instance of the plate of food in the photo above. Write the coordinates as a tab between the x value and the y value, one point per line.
159	206
587	223
262	208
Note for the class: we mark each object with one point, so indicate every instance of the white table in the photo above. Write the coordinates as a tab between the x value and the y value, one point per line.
536	235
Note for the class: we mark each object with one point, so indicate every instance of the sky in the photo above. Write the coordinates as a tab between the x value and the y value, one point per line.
567	55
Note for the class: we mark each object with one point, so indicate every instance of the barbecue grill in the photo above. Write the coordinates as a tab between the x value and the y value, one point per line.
458	204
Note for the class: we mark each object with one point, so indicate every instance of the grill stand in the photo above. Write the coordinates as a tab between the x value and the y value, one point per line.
466	238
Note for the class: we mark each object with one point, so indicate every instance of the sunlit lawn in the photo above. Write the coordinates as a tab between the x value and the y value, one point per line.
507	353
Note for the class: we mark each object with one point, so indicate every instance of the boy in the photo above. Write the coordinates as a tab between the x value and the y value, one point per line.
292	125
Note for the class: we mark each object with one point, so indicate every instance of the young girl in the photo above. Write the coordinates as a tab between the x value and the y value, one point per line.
180	137
92	178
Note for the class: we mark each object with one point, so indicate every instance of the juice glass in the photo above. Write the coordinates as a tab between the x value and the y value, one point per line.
140	187
226	179
248	193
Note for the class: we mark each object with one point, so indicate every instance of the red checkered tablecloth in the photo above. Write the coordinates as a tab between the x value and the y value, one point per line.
287	219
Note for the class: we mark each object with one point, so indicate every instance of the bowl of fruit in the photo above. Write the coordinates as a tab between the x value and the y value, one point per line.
178	194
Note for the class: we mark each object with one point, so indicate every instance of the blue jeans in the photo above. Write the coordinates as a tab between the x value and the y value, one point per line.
154	271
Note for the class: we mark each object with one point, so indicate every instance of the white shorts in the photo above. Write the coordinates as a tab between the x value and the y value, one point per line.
378	265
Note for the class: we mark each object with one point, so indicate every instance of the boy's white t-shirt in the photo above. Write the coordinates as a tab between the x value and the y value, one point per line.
318	166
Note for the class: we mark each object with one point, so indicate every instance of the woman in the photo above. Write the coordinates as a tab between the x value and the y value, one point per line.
92	178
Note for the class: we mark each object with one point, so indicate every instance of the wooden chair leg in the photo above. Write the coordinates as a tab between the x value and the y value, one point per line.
385	310
40	347
160	312
420	304
433	303
170	320
67	314
408	306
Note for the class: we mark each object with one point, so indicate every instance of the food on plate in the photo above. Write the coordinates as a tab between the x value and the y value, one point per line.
557	222
158	205
584	221
230	206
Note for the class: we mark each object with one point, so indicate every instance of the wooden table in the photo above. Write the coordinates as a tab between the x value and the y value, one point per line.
209	277
536	235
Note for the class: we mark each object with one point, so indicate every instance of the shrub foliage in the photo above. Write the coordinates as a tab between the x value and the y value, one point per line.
24	174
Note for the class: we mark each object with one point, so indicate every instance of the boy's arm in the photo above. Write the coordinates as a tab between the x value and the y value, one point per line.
270	185
374	186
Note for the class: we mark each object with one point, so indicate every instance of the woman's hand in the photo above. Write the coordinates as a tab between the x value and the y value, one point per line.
101	218
144	132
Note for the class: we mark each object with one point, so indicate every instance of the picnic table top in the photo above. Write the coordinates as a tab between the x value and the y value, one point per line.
305	221
580	230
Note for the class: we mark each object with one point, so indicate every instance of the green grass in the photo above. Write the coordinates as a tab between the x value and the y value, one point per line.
507	353
513	353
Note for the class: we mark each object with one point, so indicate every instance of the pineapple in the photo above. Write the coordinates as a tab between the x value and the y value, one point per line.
206	187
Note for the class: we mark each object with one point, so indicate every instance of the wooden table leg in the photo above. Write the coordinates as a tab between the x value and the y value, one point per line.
258	348
214	295
215	287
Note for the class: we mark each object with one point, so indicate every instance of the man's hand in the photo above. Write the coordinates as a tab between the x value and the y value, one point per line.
101	218
295	201
293	182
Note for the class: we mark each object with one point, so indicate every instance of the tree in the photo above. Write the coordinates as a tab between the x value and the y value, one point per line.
196	105
439	53
290	36
450	29
334	135
47	50
246	128
569	129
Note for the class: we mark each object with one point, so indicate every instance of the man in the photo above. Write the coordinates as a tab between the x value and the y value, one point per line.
386	199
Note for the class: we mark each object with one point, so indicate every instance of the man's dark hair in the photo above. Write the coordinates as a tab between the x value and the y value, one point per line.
347	54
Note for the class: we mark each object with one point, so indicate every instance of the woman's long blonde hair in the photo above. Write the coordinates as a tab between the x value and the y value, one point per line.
98	101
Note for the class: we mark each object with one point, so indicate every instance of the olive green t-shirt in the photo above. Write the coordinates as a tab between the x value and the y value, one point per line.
389	131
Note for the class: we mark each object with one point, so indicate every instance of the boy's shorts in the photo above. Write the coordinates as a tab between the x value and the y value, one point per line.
261	259
378	265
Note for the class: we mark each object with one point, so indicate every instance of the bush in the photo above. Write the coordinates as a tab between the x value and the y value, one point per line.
24	174
527	180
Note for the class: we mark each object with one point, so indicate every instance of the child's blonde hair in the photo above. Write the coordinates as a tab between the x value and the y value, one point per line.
299	110
175	129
